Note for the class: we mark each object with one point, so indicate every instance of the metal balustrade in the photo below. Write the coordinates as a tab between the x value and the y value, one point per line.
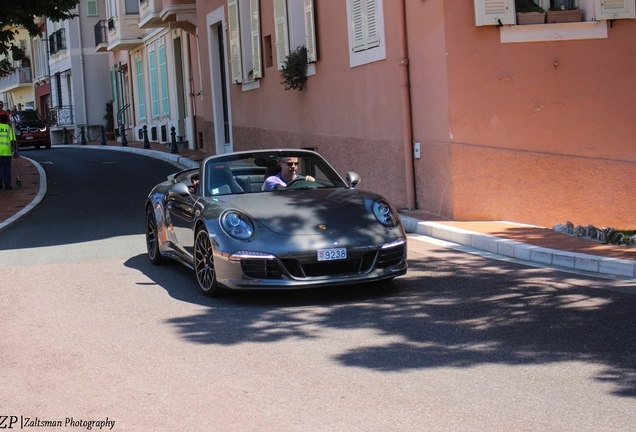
61	116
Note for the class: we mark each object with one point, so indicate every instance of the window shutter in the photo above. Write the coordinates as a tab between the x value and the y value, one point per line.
365	28
140	89
163	77
494	12
91	8
256	39
310	31
614	9
154	89
235	42
280	21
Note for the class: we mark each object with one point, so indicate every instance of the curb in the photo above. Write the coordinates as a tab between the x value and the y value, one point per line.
40	195
522	251
170	157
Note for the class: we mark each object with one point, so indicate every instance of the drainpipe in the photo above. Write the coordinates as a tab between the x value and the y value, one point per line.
407	115
82	78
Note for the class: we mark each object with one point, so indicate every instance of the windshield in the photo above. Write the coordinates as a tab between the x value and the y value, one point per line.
28	116
247	172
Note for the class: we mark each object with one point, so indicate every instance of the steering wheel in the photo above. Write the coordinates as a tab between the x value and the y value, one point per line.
301	183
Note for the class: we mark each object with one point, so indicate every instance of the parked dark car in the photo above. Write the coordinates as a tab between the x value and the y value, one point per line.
30	129
318	231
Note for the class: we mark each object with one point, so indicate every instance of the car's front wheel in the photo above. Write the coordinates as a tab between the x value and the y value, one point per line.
152	238
204	264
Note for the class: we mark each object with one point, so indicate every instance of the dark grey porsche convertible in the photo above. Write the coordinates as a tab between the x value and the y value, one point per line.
310	230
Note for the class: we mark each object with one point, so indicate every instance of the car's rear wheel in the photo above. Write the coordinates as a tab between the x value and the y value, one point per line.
152	238
204	264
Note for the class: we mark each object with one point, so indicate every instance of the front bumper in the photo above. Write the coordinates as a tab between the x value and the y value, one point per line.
303	270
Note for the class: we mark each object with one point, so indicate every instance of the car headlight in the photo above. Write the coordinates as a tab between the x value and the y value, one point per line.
384	214
237	225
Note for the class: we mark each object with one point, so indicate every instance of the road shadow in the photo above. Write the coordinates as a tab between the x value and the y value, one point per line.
444	315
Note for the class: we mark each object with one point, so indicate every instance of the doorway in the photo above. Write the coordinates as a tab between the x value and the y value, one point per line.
220	85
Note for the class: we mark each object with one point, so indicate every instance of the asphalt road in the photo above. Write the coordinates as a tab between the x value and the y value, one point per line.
92	331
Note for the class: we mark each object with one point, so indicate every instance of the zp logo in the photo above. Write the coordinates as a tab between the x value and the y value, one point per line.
7	422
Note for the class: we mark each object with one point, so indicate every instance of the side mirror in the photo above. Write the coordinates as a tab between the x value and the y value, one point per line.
353	178
179	190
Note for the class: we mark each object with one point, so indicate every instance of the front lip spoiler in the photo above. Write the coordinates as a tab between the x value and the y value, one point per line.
324	282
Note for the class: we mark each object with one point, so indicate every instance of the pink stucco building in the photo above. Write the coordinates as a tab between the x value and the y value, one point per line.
443	105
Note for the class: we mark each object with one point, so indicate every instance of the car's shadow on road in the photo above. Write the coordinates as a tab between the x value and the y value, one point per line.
181	284
439	315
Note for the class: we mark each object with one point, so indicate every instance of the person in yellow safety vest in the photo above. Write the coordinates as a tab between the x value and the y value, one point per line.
7	146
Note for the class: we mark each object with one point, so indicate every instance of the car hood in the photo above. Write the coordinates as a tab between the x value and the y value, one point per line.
305	212
32	123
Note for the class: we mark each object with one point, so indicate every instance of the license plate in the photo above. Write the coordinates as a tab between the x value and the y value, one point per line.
29	137
332	254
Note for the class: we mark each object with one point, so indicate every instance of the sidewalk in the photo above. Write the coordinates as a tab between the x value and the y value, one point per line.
538	245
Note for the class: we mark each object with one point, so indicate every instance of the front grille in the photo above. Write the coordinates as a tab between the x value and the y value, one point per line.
30	129
331	268
260	268
391	257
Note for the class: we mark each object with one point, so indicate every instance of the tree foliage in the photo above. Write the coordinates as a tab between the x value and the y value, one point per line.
21	13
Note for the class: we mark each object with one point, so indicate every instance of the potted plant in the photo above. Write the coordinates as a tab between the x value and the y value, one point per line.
294	71
108	127
528	12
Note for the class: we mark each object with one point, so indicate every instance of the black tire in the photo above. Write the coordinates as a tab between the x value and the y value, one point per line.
48	145
152	238
204	264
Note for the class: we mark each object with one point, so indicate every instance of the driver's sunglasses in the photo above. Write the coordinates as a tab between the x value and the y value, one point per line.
292	163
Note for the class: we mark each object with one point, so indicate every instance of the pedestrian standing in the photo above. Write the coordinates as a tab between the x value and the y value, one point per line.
7	146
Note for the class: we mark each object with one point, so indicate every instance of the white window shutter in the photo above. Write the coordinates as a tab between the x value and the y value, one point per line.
256	39
365	28
235	41
494	12
282	41
310	31
614	9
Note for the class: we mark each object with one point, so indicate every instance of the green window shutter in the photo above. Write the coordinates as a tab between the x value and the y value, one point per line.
256	39
310	31
140	90
163	76
92	8
280	23
154	89
235	42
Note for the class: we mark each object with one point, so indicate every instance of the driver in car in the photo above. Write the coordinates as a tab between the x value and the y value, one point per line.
288	173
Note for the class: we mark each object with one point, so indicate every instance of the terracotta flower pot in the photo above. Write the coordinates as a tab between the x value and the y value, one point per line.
530	18
561	16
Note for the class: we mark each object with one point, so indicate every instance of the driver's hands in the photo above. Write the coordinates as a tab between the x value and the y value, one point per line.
310	178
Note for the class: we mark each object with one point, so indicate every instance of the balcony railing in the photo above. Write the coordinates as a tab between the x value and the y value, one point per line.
101	33
20	75
57	41
61	116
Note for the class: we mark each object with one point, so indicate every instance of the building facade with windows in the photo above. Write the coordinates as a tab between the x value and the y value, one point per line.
443	105
150	43
79	81
16	74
